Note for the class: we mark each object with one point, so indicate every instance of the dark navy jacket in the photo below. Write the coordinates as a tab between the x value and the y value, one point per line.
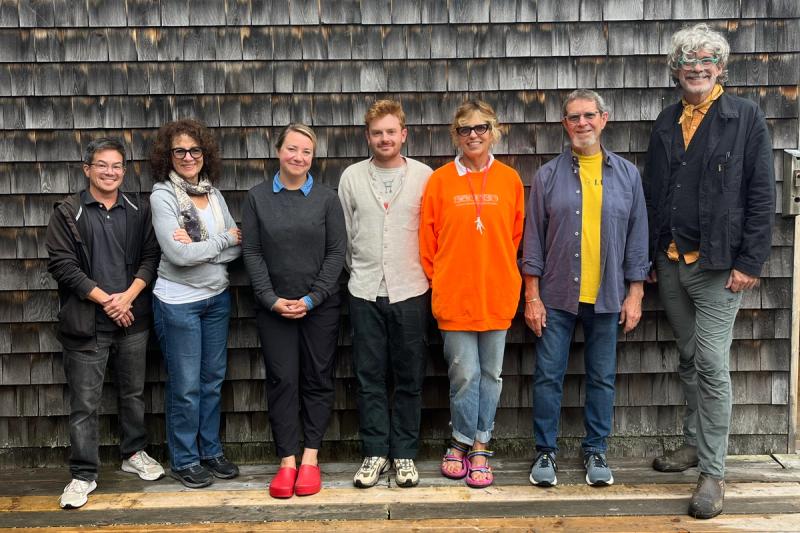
737	185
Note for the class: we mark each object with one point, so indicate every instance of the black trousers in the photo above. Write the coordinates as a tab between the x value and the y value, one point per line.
299	355
389	348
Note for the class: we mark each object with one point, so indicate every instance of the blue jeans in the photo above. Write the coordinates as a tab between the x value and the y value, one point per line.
474	362
84	370
600	363
194	339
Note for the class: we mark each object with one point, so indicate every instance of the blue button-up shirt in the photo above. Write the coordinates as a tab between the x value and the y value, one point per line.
552	241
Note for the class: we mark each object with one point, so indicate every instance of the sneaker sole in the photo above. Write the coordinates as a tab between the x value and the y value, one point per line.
543	483
143	475
406	484
219	475
77	505
191	484
599	483
361	485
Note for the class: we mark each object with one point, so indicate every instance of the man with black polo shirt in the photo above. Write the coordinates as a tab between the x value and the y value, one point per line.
103	254
710	194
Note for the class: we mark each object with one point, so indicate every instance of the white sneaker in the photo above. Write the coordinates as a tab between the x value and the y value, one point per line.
406	474
144	466
76	494
370	471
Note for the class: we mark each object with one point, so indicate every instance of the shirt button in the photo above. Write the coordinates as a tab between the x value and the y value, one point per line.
578	191
674	208
576	233
678	185
683	163
575	280
577	255
577	212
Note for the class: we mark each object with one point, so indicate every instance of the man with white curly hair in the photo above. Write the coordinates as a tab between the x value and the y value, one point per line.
710	193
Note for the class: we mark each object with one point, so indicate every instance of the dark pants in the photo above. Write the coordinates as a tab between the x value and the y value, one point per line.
389	347
299	356
84	370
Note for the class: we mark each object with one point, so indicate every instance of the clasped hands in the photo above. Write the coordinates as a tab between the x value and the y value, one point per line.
290	308
118	308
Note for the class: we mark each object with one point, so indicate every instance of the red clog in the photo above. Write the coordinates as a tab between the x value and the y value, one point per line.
282	485
308	481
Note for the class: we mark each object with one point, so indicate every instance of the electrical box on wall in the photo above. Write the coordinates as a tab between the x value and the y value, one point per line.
791	183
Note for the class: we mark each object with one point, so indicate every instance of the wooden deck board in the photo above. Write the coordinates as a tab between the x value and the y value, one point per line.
628	524
757	485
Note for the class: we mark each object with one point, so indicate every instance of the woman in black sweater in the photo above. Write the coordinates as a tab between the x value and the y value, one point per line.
293	244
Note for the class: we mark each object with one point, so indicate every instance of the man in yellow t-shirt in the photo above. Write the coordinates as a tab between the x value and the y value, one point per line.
584	258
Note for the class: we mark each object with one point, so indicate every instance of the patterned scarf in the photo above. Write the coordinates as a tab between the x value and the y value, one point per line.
190	220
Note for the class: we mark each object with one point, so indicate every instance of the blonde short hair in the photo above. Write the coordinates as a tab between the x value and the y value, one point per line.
300	128
481	108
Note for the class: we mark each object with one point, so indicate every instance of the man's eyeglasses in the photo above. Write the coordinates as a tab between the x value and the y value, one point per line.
691	62
479	129
103	167
194	153
576	117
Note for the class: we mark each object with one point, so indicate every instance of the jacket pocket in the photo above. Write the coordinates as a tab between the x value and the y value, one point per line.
729	170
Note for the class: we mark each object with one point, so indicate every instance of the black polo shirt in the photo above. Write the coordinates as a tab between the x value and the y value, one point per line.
108	229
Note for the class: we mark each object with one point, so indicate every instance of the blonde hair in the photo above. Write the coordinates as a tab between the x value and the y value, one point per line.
300	128
381	108
481	108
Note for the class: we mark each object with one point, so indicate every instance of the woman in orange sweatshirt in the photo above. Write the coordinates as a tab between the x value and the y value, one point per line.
470	227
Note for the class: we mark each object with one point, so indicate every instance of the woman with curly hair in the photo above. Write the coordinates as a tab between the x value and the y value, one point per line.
191	307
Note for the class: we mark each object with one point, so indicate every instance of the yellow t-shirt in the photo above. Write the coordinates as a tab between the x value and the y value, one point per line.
591	173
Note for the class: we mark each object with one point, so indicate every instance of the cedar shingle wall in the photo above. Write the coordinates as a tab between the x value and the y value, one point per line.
71	70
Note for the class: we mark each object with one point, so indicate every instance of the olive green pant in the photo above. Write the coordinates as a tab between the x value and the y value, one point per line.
701	312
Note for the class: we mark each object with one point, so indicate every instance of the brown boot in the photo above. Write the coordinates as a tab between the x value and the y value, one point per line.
678	460
707	497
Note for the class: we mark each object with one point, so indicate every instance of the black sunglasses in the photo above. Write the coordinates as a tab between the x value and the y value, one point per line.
479	129
195	152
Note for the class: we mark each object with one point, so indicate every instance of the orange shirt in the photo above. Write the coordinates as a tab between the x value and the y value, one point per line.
474	276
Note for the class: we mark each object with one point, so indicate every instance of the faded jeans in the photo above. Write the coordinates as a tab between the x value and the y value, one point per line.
474	362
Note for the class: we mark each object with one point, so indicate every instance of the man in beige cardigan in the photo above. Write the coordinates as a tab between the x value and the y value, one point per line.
381	198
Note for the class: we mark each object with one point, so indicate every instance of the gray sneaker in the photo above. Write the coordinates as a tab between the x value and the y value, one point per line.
370	471
543	470
598	473
406	474
76	494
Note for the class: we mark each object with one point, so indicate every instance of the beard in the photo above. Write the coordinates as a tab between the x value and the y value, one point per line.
587	141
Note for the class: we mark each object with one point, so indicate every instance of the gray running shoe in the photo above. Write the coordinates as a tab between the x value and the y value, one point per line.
598	473
406	474
543	470
370	471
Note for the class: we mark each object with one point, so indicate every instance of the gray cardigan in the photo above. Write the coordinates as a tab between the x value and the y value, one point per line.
199	264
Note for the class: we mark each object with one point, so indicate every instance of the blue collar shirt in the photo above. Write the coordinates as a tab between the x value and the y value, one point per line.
552	240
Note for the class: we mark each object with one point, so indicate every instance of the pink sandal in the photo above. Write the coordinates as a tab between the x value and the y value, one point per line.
449	457
485	469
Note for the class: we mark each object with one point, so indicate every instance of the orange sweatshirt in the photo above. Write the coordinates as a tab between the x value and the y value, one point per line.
474	277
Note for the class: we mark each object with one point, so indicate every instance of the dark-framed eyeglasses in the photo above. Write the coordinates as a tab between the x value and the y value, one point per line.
479	129
691	62
104	167
180	153
574	118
